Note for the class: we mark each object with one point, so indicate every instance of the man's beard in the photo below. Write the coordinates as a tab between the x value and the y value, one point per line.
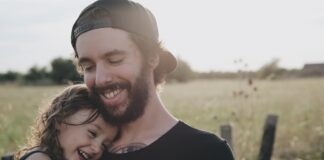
137	100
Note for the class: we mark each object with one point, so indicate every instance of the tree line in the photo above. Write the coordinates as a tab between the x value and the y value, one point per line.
63	71
269	71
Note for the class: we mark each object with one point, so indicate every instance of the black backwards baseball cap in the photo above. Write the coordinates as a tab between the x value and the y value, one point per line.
126	15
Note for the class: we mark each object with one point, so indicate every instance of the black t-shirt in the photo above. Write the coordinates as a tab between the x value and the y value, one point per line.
181	142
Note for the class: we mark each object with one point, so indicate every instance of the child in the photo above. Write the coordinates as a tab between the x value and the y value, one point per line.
71	128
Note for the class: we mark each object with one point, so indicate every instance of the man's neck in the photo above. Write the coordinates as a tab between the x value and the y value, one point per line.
154	123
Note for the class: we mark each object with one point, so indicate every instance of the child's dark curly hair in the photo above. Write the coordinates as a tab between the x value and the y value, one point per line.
65	104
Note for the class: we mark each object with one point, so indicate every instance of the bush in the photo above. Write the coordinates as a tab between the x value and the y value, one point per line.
182	73
9	76
36	74
64	71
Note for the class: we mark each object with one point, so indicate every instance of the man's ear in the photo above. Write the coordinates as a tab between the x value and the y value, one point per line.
154	61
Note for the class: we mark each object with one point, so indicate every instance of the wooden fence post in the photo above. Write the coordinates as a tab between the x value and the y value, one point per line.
226	133
268	137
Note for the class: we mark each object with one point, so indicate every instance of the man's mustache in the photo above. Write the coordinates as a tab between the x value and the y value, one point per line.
96	90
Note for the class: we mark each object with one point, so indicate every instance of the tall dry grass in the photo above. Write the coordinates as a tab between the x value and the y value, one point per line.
298	103
207	104
18	109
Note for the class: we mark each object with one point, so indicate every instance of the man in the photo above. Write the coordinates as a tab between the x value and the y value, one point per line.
117	46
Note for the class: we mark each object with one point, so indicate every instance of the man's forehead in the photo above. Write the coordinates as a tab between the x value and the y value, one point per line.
116	52
104	40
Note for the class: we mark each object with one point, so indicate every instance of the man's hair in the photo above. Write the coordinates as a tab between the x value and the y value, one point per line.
149	49
133	18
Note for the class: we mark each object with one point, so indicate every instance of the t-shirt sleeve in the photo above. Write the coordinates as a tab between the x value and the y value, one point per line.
225	151
216	149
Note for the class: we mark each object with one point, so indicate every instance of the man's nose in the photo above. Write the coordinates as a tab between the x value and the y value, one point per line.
103	75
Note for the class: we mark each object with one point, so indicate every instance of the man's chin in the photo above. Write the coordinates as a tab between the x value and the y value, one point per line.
122	114
117	114
116	111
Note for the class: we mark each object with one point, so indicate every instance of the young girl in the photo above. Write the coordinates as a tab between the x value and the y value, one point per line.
71	128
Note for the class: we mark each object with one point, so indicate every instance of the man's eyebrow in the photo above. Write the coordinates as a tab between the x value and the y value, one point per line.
112	53
83	60
103	56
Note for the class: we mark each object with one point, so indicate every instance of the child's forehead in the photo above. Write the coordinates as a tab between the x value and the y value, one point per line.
80	115
83	115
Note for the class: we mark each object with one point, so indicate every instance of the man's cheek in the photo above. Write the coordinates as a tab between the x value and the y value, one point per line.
89	81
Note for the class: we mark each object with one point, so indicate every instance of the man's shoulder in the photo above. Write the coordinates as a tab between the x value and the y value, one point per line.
188	132
201	143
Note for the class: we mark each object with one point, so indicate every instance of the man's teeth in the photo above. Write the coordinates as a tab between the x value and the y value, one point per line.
84	155
112	93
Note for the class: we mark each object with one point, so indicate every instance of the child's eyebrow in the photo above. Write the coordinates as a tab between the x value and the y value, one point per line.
97	126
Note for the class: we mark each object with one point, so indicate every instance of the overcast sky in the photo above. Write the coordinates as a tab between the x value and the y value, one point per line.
209	34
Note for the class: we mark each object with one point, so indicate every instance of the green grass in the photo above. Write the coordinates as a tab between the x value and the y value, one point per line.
207	104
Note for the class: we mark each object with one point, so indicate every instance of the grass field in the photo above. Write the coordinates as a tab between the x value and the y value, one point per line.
207	105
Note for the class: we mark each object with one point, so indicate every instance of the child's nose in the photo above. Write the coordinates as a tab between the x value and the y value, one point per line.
96	147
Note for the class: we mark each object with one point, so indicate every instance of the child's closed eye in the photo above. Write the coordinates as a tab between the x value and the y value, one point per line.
93	134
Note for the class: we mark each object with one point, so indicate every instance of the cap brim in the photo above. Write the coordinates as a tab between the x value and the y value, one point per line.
168	62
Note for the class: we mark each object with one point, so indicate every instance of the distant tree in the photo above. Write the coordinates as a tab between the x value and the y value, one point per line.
270	70
9	76
36	74
182	73
64	71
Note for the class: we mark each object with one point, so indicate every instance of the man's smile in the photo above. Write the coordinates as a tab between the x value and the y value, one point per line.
114	95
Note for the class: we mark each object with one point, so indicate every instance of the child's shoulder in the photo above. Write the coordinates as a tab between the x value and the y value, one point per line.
35	154
38	156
